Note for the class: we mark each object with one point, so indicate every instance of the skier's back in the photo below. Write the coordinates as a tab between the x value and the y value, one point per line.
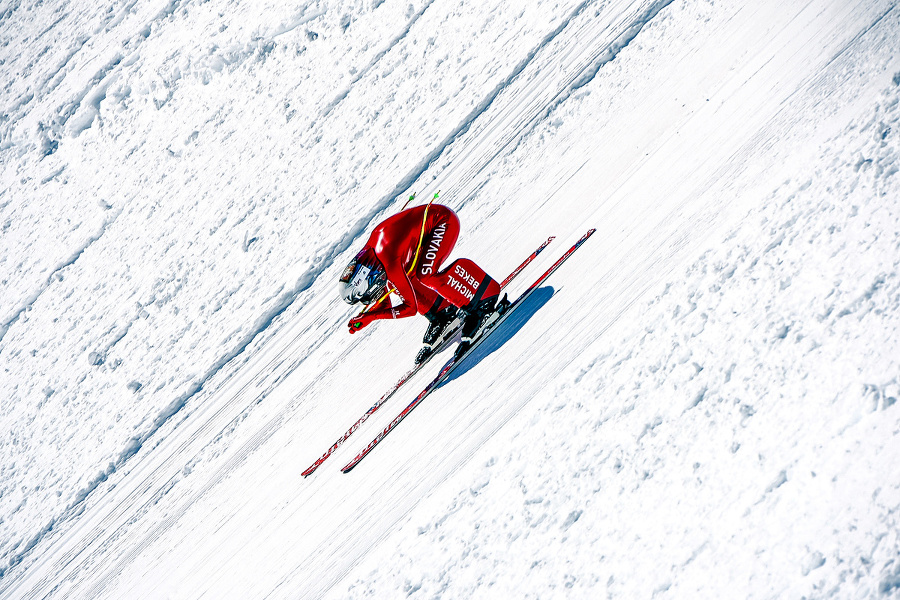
406	252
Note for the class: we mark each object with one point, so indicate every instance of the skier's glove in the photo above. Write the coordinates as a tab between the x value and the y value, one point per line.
357	323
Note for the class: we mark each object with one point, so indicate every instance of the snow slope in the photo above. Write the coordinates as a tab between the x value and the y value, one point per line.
701	403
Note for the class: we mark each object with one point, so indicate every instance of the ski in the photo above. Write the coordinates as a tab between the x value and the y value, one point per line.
445	341
451	365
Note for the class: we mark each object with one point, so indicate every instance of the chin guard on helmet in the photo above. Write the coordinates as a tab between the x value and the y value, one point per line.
363	279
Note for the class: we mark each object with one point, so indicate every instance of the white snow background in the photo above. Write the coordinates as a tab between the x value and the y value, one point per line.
701	403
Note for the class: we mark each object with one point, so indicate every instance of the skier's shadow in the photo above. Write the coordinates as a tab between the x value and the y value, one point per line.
506	330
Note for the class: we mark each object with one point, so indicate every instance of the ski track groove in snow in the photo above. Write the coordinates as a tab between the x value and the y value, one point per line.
530	115
263	321
153	485
675	361
528	99
54	275
145	499
368	68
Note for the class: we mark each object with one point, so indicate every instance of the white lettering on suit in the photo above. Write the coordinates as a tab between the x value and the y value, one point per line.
434	245
466	277
468	291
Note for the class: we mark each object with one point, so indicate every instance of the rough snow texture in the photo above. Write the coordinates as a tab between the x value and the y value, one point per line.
728	442
702	403
118	305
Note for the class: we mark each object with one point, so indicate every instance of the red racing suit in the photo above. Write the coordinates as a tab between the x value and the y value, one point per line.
425	288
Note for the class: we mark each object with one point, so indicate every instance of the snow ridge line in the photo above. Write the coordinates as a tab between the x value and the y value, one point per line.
483	106
236	460
9	10
324	263
94	92
262	324
48	84
732	166
613	50
859	36
134	445
297	22
365	71
404	184
158	483
581	76
29	302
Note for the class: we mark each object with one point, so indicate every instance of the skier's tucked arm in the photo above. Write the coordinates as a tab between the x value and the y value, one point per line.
404	289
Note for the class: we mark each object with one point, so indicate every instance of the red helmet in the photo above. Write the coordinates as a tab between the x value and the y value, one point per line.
364	279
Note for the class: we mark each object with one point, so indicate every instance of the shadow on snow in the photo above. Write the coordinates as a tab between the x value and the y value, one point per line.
505	331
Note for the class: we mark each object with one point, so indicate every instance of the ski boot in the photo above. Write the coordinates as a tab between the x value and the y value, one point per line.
479	319
436	328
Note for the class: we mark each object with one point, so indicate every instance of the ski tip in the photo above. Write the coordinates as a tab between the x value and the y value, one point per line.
311	468
349	466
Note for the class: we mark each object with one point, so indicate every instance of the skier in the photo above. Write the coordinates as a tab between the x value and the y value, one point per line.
406	251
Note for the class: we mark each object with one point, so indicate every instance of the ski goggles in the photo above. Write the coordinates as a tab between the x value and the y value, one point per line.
363	279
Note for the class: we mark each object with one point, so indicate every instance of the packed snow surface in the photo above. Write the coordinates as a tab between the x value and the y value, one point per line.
701	403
